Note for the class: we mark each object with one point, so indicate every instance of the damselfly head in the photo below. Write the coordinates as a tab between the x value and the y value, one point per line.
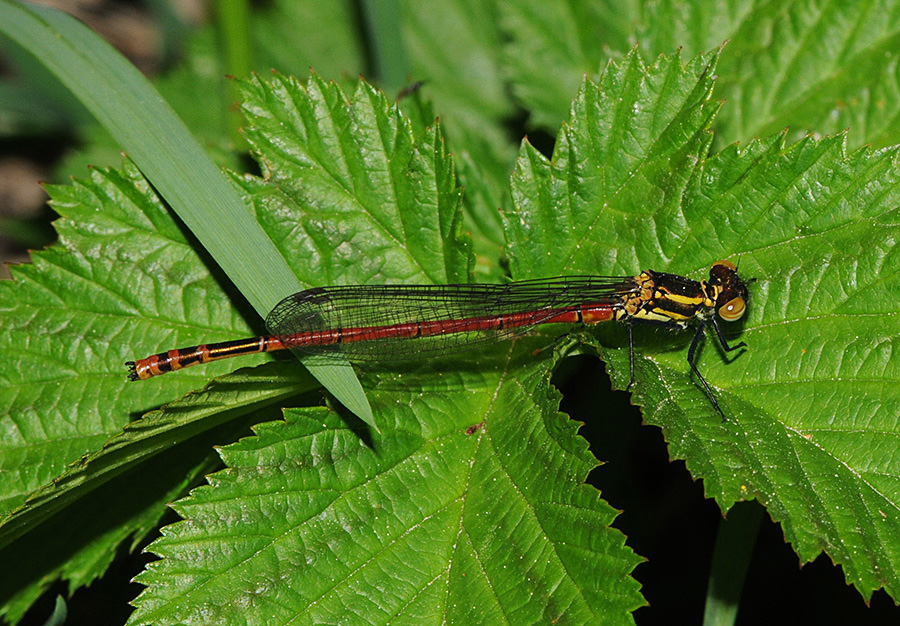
732	293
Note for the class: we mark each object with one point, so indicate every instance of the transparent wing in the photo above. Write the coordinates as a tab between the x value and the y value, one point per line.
393	322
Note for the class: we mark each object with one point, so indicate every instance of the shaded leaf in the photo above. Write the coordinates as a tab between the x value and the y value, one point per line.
67	324
552	45
160	144
812	67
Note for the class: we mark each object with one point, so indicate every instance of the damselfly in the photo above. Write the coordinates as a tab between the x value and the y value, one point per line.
393	322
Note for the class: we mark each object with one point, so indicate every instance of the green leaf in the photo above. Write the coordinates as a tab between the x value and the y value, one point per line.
119	493
373	514
228	399
471	510
112	89
349	194
735	540
122	277
292	36
813	68
814	407
811	403
159	143
123	274
470	81
610	201
383	21
79	545
287	35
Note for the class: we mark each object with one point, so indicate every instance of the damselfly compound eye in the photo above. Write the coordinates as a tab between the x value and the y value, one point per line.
727	264
733	309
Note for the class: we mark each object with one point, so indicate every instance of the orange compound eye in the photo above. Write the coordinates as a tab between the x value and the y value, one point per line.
733	309
727	264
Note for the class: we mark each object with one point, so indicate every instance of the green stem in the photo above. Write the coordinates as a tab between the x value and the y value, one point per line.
233	21
384	26
731	558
